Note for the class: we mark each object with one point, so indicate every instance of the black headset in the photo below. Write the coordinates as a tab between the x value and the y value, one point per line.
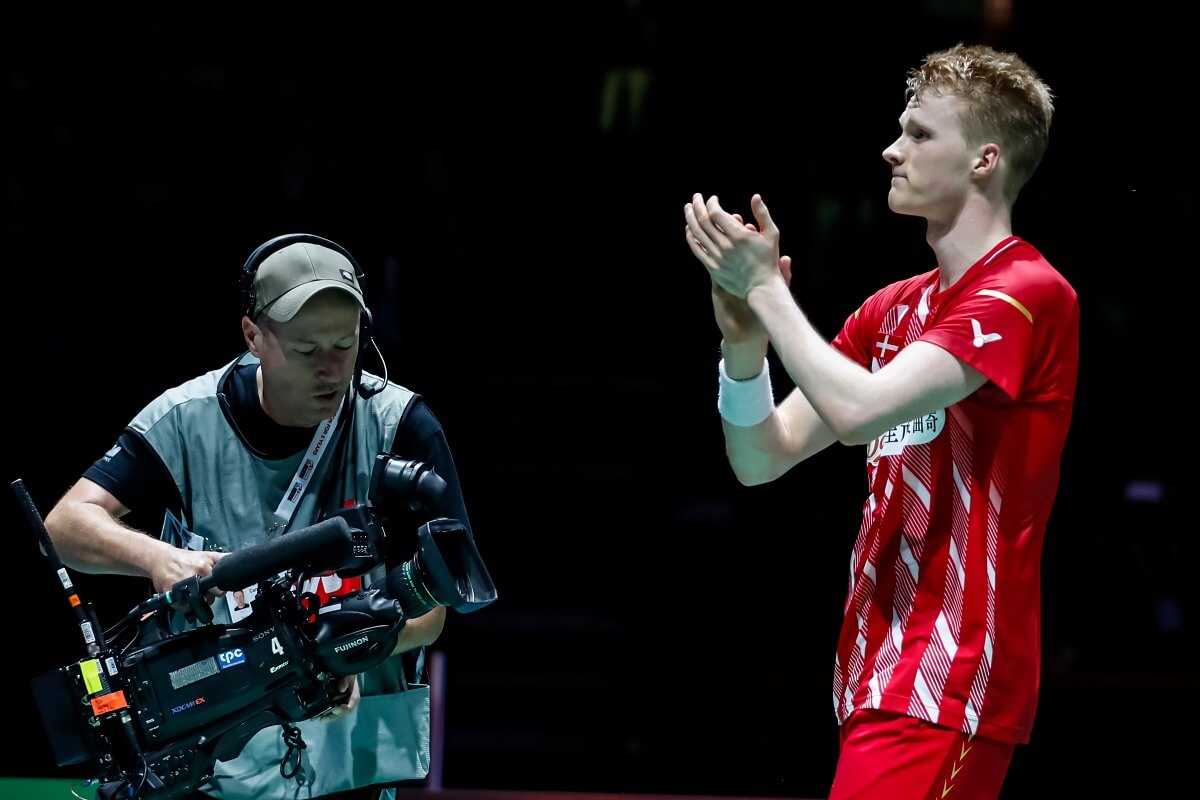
264	250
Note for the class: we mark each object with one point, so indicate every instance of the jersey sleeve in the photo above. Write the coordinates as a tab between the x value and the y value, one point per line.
1004	328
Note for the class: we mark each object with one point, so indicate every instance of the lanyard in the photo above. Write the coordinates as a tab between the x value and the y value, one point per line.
304	472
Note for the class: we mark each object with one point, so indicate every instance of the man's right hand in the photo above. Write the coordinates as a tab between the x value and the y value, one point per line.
180	564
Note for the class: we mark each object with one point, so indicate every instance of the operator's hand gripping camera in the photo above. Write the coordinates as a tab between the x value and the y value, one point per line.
153	716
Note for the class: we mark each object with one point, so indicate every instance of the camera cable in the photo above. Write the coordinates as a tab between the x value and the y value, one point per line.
292	766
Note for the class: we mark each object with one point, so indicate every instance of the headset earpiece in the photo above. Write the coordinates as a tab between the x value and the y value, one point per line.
364	333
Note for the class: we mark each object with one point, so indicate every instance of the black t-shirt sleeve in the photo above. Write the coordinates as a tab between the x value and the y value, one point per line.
134	474
420	437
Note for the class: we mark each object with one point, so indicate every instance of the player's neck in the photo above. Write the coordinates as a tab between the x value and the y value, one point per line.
961	243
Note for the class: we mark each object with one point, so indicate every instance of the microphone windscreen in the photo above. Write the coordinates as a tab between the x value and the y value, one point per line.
326	546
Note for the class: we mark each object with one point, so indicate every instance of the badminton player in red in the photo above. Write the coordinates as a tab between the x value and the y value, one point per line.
959	381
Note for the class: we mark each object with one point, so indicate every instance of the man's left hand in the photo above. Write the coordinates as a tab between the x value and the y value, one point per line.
348	686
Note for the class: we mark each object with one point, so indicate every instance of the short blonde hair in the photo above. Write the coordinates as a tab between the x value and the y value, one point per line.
1005	101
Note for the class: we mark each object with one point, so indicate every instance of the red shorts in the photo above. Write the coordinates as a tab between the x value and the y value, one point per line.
887	755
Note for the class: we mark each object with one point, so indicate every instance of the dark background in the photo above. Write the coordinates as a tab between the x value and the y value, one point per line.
660	628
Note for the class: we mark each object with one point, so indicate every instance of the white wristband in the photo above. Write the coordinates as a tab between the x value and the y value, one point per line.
745	403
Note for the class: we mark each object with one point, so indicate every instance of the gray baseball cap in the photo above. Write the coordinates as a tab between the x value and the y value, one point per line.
289	277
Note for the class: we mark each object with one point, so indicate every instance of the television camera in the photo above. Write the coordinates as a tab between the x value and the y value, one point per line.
152	717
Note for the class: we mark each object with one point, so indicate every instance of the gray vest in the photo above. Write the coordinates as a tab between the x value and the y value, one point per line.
230	496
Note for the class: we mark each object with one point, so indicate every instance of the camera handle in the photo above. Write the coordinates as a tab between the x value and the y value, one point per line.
188	595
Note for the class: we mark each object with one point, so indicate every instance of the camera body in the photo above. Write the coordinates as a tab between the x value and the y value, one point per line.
152	717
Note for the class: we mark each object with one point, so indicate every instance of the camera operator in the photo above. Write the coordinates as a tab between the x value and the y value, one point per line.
272	441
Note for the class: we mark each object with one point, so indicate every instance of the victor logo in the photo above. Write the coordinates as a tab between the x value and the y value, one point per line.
341	648
982	338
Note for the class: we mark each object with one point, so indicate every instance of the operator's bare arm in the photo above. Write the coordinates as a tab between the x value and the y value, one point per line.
421	631
86	529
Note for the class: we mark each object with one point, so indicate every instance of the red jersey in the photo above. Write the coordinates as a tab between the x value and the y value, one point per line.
943	610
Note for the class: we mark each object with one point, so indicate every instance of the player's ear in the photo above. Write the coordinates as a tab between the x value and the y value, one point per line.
987	160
